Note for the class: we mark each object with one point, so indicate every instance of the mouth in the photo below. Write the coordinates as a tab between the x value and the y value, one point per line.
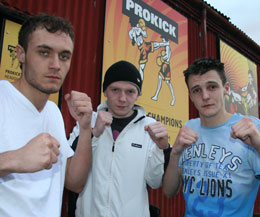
53	77
207	106
121	107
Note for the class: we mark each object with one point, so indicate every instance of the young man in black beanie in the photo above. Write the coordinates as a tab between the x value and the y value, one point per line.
127	150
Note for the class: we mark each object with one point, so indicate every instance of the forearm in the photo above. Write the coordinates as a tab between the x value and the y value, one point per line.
8	163
172	178
79	165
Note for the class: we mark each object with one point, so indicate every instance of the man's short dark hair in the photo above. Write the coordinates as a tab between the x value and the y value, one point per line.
202	66
51	23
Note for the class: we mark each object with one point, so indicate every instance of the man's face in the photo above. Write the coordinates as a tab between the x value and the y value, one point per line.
208	94
121	97
47	60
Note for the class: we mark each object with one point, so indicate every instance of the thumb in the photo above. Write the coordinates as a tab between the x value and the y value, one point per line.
146	128
67	96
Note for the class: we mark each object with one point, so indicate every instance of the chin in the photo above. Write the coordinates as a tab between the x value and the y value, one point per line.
50	91
121	115
208	114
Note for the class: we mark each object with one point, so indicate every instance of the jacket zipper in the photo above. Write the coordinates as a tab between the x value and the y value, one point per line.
113	147
110	179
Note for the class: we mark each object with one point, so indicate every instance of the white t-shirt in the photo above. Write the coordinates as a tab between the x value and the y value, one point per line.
36	194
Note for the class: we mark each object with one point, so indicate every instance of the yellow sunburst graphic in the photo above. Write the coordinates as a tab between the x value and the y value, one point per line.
236	66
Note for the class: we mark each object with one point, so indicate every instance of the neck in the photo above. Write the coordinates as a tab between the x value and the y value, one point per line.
37	98
215	120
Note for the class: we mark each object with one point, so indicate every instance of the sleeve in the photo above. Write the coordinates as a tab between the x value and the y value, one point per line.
74	134
73	137
75	143
254	161
155	166
253	156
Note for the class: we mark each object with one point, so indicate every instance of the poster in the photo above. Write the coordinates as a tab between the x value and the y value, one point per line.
242	75
154	37
10	67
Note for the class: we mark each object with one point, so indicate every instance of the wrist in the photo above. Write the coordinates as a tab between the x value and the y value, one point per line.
85	131
165	146
175	153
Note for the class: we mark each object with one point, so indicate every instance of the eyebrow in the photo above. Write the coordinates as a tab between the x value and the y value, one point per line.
198	86
49	48
130	88
194	87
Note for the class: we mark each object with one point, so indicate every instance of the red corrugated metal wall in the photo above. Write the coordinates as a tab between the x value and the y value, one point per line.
87	17
173	207
195	51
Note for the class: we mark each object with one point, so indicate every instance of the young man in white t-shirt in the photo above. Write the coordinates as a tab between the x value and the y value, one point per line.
35	158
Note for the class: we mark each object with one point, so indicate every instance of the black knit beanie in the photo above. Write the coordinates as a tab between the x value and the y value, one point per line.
123	71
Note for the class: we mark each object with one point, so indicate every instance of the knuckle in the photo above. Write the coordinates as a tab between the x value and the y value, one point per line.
44	135
47	163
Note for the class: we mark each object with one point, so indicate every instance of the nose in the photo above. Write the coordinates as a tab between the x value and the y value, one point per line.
205	94
122	96
55	62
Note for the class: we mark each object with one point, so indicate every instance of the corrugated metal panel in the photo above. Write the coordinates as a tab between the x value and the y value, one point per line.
212	44
195	52
257	204
173	207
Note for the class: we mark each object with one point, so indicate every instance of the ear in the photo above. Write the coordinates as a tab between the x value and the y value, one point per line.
20	53
226	88
105	93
